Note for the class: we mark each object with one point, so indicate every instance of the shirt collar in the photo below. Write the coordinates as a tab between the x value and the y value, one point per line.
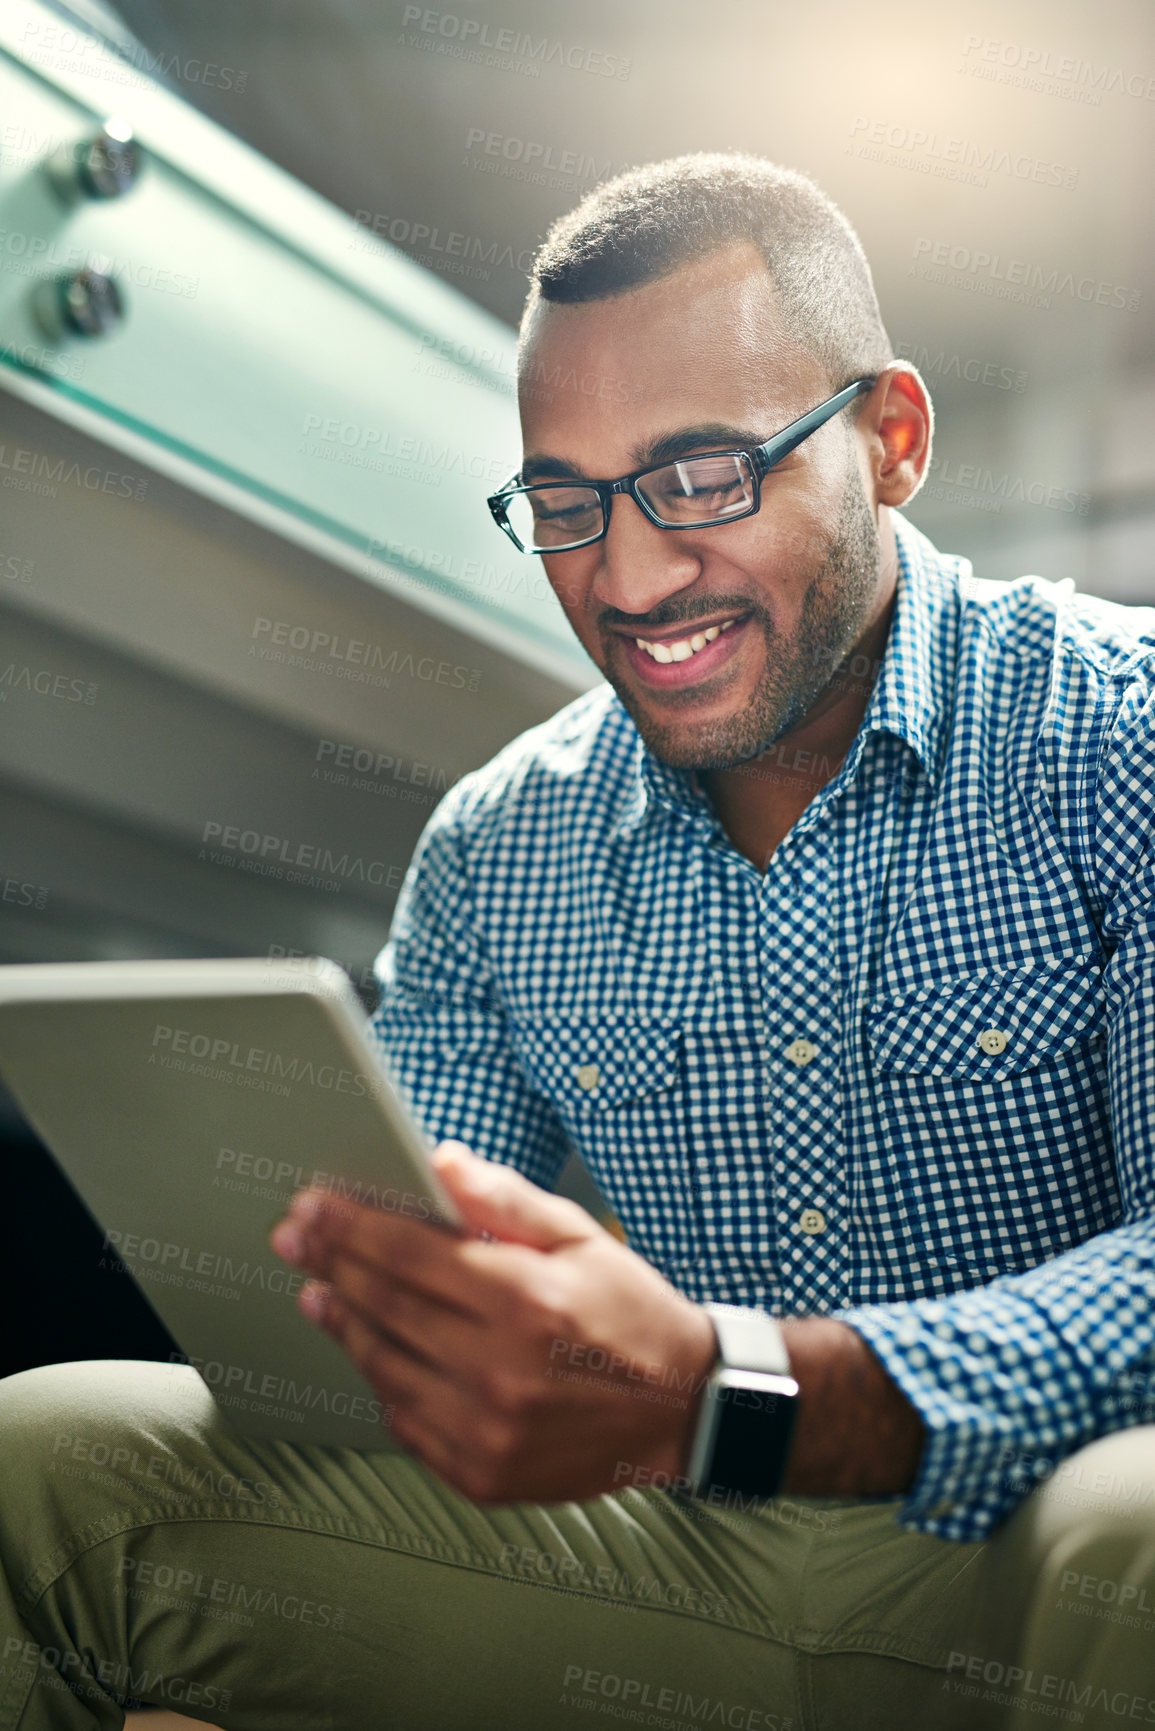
911	695
908	698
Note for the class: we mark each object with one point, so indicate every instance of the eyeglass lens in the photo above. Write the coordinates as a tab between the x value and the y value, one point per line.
693	490
697	488
548	518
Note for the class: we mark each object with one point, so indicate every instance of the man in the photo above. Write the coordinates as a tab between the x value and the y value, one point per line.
823	928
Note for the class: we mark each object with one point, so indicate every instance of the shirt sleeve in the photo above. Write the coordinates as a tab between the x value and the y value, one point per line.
1011	1379
440	1023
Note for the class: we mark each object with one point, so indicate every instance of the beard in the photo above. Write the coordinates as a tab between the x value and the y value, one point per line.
798	672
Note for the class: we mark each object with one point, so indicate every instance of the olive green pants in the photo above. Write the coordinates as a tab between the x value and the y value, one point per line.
150	1553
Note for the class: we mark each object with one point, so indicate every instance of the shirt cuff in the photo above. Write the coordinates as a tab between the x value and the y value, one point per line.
993	1384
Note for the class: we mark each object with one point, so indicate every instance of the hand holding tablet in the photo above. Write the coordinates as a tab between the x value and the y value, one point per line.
187	1101
466	1316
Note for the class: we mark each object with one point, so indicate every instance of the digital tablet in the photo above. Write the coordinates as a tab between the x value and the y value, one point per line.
186	1101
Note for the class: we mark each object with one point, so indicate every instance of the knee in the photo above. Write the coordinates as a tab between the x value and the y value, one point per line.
78	1435
52	1405
1097	1510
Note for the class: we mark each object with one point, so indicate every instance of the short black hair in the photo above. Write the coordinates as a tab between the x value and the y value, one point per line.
645	223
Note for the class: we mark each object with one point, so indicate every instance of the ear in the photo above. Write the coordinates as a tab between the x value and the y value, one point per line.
898	422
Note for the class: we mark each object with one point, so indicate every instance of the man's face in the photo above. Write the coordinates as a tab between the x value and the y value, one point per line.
704	348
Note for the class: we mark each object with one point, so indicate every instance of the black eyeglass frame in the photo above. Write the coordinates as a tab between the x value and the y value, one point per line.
761	458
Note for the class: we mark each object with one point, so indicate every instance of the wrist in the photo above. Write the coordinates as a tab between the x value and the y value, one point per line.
689	1374
857	1434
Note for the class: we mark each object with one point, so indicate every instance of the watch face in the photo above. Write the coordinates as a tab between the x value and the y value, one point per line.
756	1414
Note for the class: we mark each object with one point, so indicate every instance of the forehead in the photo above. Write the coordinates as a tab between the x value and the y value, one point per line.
704	343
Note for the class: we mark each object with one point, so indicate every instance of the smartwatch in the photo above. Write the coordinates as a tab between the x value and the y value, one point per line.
748	1408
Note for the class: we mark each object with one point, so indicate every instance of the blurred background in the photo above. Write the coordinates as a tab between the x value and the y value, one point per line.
260	271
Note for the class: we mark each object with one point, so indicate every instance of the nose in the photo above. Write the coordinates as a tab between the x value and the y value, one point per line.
641	565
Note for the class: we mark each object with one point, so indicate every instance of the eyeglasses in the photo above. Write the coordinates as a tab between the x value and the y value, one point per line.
697	492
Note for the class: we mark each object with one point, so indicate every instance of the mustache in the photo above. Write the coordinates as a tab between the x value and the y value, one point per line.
723	609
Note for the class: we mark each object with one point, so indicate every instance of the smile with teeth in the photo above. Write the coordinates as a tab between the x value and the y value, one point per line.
685	646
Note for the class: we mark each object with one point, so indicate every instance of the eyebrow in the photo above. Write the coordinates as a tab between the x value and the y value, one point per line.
710	435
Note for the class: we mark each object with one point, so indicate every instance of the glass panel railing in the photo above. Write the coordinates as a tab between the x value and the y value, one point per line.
267	340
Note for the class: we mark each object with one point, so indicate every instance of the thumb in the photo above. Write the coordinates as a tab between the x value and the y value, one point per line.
494	1198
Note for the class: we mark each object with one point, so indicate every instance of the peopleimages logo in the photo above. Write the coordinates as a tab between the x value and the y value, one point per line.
71	1671
534	160
581	1686
364	771
282	1396
991	273
32	255
1035	68
938	364
353	658
39	472
444	570
46	682
452	247
956	482
281	857
130	63
924	148
144	1255
328	435
468	35
44	360
23	895
222	1051
150	1579
185	1480
1015	1683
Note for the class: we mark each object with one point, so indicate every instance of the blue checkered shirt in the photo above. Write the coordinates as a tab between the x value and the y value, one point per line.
906	1077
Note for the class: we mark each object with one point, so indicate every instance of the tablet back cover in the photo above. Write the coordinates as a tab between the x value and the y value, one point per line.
185	1137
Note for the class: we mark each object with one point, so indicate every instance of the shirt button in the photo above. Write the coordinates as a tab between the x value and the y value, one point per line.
992	1040
588	1076
812	1220
801	1051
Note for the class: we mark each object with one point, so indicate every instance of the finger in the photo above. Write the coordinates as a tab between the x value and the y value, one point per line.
462	1273
402	1382
319	1226
438	1334
432	1416
495	1198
